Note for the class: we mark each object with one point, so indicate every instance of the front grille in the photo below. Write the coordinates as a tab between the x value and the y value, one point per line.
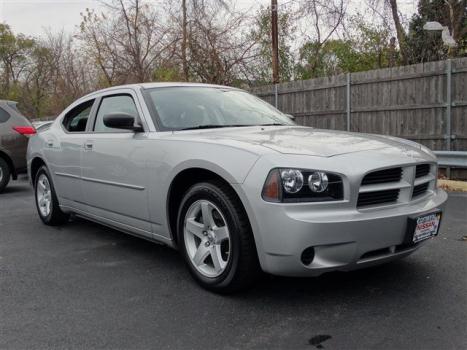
382	176
422	170
378	197
396	185
420	189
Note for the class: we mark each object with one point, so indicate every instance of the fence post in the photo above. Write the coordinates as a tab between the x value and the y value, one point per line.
448	110
275	95
348	105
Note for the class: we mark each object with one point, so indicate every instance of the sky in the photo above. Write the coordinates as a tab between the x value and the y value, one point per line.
33	17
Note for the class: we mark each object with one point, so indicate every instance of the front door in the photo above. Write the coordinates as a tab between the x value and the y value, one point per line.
114	171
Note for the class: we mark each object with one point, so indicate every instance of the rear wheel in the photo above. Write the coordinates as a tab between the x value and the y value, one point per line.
5	174
215	238
46	200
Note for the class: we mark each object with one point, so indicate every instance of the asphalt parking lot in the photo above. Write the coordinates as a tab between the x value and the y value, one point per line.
87	286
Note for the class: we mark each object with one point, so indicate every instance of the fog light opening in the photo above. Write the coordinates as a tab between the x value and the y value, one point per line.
308	255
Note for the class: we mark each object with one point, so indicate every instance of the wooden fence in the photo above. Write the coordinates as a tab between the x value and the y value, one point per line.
425	102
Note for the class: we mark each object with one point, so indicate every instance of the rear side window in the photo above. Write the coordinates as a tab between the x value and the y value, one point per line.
4	115
13	106
77	119
114	104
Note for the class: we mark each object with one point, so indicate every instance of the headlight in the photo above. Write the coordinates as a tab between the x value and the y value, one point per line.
300	185
318	181
292	180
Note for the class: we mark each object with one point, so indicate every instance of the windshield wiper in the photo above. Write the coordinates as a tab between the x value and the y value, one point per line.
272	124
213	126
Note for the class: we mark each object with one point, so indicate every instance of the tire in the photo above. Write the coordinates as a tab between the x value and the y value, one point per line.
237	265
46	199
5	174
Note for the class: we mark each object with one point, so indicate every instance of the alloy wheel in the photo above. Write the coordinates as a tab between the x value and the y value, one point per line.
44	195
207	238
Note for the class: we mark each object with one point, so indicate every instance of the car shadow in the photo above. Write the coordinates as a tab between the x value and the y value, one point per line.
397	277
15	189
371	277
381	283
132	244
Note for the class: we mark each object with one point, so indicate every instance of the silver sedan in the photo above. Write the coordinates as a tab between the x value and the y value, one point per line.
233	183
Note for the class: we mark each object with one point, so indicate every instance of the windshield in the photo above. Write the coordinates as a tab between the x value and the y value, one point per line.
184	108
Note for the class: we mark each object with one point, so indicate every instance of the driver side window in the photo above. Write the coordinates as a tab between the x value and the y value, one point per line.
114	104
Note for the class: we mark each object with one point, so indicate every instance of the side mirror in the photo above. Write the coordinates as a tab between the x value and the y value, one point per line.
123	121
290	116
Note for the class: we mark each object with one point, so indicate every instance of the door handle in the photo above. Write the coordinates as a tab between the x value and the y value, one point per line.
50	143
88	145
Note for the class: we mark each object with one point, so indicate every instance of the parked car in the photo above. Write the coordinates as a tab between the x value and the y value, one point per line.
14	132
233	183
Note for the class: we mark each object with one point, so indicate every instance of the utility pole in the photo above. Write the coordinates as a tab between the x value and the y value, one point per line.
184	40
275	43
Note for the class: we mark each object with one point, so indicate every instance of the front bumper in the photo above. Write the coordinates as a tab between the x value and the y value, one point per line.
342	239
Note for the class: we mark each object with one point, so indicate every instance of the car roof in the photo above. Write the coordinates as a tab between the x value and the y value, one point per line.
158	85
13	112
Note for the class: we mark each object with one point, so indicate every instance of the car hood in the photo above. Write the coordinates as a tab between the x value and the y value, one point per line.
303	140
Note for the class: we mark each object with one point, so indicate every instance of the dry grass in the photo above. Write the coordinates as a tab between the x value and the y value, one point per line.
452	186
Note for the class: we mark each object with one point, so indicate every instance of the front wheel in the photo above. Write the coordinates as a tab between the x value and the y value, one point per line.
46	199
215	238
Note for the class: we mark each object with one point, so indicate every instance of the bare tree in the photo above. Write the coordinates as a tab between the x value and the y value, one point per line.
457	19
15	51
217	46
127	42
325	17
184	40
189	9
388	11
400	32
56	76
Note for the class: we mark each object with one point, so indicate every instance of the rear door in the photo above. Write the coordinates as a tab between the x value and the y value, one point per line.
6	133
115	175
63	151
